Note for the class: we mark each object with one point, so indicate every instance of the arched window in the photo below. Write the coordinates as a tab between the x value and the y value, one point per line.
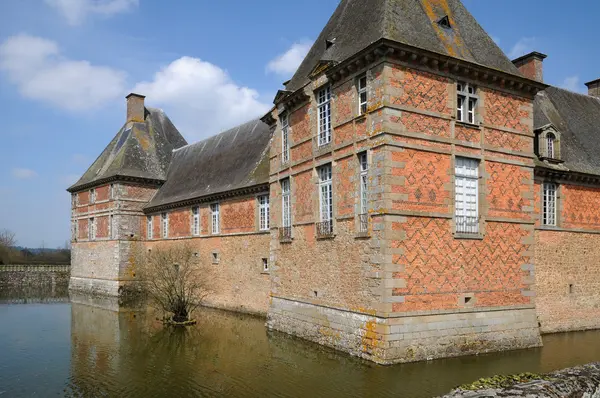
551	140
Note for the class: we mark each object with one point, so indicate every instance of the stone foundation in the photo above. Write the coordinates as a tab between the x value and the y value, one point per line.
407	338
103	287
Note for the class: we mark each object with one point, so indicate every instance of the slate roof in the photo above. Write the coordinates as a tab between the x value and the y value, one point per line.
233	160
356	24
139	150
577	118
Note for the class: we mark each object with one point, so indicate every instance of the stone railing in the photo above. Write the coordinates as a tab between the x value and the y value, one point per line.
578	382
35	268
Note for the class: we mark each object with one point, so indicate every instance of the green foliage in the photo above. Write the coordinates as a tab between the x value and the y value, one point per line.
499	381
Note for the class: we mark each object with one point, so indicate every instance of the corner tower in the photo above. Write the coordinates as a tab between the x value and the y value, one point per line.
107	200
403	190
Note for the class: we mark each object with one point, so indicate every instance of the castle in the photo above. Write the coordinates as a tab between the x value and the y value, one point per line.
413	194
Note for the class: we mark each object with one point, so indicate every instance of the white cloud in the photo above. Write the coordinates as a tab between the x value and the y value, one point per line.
23	174
201	98
287	63
36	66
572	83
524	46
76	11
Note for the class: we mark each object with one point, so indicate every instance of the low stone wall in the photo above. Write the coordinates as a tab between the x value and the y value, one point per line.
578	382
33	275
409	338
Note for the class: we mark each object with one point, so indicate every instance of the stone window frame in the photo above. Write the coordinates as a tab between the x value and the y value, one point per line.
321	184
92	198
479	196
92	229
261	205
285	137
363	105
164	225
466	92
324	138
556	199
543	134
215	218
150	227
196	226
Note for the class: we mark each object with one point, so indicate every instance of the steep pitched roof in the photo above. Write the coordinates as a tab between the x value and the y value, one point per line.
139	150
577	117
235	159
356	24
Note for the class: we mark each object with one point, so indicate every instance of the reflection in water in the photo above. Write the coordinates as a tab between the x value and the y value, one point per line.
130	354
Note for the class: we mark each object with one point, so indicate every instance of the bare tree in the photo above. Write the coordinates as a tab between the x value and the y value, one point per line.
173	280
7	242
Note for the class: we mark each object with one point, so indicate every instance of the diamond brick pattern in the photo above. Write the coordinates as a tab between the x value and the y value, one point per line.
425	174
303	191
506	189
415	123
503	140
421	90
437	264
581	207
504	110
467	134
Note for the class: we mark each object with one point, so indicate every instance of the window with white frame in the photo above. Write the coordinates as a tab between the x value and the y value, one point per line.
286	204
285	138
466	102
92	229
196	220
364	181
362	94
324	111
263	202
214	208
549	208
149	227
92	196
326	197
165	225
550	147
466	200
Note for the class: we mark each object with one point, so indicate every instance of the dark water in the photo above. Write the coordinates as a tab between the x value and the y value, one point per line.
79	350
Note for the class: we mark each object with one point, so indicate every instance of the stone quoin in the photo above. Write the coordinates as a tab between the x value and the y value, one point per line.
413	194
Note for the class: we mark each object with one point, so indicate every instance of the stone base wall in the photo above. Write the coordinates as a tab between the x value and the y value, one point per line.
567	280
103	287
409	338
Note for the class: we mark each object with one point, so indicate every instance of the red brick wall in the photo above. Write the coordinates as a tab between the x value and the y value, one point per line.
83	228
439	268
102	227
238	216
509	190
300	124
180	223
346	185
102	193
421	90
304	191
580	207
509	111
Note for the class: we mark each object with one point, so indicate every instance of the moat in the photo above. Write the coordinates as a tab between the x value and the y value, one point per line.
53	346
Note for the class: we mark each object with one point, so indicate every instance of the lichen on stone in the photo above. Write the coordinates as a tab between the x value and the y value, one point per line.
501	381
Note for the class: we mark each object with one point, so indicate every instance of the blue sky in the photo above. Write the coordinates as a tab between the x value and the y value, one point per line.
66	65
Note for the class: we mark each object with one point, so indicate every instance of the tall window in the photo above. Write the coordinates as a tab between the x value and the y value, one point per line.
76	230
149	227
92	229
111	226
550	138
466	102
286	204
326	200
324	106
466	203
549	210
214	208
196	220
285	138
362	95
165	225
264	212
364	192
112	191
92	196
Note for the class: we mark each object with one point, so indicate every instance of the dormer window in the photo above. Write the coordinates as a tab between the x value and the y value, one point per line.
550	139
548	144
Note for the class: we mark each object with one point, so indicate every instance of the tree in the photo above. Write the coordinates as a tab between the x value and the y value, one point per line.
7	242
173	280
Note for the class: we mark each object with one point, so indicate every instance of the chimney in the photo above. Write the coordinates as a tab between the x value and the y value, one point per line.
531	65
135	108
594	88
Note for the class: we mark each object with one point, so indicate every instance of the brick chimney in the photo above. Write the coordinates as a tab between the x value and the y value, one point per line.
594	88
135	107
531	65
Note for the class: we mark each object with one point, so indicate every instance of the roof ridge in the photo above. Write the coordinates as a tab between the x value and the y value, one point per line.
576	93
238	127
